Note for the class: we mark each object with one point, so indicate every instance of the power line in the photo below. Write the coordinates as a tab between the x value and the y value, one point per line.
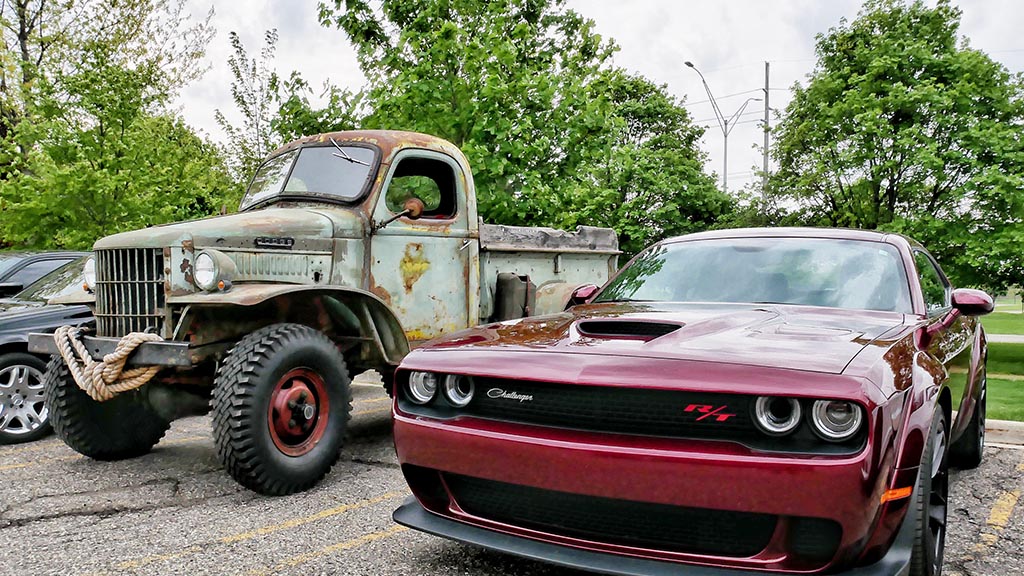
731	123
722	97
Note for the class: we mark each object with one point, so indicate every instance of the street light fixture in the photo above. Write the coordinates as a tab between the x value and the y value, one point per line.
726	124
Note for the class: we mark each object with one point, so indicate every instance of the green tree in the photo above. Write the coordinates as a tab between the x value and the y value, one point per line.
106	159
651	181
275	111
511	82
902	126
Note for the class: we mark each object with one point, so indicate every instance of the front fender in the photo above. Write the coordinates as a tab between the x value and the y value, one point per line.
360	310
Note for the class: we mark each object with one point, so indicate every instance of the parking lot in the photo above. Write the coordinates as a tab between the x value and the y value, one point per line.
175	511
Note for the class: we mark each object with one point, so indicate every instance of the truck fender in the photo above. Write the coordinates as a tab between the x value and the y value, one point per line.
555	297
360	317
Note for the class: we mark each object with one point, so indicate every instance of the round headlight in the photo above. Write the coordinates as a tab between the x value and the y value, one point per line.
836	420
775	415
89	273
422	387
458	389
204	272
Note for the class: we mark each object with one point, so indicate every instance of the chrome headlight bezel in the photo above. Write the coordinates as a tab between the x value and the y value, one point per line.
421	387
827	428
205	271
770	421
458	390
89	273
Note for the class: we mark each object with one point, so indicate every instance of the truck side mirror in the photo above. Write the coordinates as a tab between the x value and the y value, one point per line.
413	208
583	294
972	302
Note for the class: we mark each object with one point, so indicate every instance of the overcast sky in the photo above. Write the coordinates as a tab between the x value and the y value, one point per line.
728	41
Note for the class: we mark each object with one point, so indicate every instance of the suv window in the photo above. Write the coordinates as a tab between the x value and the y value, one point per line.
431	180
933	285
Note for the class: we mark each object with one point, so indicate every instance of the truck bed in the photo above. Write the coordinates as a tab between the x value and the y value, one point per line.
499	238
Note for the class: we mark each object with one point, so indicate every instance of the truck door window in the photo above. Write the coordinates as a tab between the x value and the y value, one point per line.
430	180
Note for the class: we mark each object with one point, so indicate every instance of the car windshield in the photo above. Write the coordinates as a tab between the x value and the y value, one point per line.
65	280
9	260
827	272
337	172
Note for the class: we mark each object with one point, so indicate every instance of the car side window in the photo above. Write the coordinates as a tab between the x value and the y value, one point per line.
35	271
933	286
429	179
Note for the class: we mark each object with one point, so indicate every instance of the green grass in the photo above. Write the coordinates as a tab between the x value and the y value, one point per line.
1003	323
1005	358
1005	398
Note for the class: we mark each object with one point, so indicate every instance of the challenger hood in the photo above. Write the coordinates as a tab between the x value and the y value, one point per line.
789	337
298	222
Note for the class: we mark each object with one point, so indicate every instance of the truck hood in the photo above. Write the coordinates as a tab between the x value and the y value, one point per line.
297	222
776	336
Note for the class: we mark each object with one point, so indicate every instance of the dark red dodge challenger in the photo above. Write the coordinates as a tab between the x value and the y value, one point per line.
733	401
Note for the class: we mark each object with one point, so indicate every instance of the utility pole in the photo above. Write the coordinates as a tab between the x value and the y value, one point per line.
764	175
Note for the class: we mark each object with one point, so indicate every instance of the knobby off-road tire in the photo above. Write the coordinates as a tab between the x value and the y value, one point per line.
122	427
967	451
281	406
929	509
23	413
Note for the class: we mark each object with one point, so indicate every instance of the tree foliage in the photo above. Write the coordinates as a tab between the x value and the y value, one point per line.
902	126
275	111
524	88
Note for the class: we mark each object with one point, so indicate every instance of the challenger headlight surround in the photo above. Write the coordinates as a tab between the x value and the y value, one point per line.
836	420
422	387
205	272
458	390
775	415
89	273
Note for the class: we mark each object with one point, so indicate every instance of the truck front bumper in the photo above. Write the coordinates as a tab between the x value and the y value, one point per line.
147	354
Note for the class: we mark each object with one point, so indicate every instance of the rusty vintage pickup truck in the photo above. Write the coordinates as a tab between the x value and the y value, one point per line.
348	248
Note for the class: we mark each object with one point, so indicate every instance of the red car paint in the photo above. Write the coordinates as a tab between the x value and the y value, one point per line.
894	365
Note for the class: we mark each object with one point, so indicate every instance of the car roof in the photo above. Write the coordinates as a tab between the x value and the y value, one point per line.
793	232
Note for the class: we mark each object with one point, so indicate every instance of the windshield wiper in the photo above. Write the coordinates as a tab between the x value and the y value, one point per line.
344	155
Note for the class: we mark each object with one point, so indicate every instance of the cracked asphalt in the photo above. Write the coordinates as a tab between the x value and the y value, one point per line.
175	511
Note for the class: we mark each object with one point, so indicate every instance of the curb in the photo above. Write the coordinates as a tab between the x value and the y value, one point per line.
1004	432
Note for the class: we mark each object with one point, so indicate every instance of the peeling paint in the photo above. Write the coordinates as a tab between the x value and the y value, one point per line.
413	265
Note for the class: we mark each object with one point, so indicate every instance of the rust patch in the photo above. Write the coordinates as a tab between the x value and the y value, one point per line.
188	245
413	265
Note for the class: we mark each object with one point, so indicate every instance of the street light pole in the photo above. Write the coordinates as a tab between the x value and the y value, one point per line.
723	123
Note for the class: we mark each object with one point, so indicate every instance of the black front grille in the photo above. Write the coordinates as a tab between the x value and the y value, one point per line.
627	410
129	291
622	522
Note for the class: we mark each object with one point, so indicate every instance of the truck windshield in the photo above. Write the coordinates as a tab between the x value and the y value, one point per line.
332	172
834	273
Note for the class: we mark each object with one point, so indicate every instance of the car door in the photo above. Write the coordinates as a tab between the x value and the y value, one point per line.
951	346
421	267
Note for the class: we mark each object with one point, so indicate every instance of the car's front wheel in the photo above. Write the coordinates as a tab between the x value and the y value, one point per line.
930	504
23	413
281	405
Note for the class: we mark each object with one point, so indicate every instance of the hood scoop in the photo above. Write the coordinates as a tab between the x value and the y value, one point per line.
639	330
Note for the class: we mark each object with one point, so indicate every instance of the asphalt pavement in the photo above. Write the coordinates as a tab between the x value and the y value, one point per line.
175	511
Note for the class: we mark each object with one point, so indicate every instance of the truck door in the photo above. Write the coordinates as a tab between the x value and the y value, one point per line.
425	268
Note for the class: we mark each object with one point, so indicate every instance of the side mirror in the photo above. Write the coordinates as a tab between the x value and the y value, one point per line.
10	288
972	302
583	294
413	208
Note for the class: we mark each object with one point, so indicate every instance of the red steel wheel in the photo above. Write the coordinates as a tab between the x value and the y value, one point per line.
299	410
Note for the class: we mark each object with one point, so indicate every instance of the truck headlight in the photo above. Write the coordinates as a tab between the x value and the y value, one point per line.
836	420
205	272
89	273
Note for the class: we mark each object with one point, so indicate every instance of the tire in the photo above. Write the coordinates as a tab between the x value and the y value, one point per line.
930	506
968	450
281	406
122	427
24	415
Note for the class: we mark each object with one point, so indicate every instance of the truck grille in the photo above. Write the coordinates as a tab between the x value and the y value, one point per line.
622	522
129	291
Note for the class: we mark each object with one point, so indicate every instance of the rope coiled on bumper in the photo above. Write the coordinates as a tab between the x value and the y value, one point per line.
105	379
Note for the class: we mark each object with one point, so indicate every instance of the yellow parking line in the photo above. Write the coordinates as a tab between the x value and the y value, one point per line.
80	457
998	518
132	564
373	411
1020	467
34	447
339	547
307	519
